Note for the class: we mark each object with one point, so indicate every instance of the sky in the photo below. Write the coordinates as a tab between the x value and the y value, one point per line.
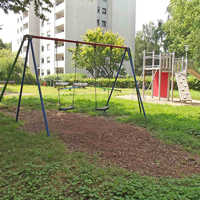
146	11
150	10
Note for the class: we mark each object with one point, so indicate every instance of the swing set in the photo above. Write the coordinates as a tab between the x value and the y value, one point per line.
30	38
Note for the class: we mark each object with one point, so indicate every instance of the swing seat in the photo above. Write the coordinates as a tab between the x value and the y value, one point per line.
67	108
103	108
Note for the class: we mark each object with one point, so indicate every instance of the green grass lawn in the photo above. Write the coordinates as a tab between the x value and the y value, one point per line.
40	167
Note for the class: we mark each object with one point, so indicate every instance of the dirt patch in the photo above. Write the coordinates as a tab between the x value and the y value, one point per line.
124	145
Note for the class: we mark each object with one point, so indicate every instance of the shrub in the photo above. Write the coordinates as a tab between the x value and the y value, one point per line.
6	62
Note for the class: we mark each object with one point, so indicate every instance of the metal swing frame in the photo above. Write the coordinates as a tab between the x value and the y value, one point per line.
29	39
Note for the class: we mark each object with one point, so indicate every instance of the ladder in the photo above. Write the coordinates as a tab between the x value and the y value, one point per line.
183	87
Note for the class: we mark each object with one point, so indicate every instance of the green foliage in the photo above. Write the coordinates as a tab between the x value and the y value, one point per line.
37	167
103	82
150	39
6	62
23	6
100	62
2	45
183	28
128	82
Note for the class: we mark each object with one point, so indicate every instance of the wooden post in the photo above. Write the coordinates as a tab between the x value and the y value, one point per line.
152	78
172	78
169	75
160	70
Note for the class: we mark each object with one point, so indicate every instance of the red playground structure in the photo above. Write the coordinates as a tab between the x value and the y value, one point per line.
164	69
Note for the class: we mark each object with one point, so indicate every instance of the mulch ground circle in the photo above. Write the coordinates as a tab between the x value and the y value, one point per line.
121	144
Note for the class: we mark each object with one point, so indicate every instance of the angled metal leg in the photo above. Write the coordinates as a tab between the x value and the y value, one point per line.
39	88
114	84
136	85
22	82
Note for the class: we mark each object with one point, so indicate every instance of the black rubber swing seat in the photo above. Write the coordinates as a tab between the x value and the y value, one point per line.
67	108
103	108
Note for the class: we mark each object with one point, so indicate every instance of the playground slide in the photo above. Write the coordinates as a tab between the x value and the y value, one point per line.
194	73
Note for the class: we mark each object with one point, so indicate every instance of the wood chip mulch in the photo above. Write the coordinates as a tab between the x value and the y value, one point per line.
121	144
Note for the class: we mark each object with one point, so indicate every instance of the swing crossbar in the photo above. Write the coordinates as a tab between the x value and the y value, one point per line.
76	41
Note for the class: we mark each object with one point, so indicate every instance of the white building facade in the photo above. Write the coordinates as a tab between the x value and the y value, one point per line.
70	19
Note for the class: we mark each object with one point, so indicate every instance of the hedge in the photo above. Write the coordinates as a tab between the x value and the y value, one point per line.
104	82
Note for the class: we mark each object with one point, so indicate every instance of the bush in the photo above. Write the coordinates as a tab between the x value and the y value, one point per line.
6	62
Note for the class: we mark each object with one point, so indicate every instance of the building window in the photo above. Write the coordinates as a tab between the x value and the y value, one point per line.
48	34
42	48
104	11
48	59
98	22
48	72
60	70
42	72
98	9
103	23
42	60
48	47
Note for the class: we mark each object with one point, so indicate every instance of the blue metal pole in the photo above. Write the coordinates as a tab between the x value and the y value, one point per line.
11	69
136	85
39	89
22	82
114	84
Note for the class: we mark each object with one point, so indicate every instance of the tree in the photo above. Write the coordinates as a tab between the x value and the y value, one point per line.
4	45
183	28
6	61
149	39
103	62
40	6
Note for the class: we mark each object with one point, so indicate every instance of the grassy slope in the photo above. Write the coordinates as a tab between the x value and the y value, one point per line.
37	167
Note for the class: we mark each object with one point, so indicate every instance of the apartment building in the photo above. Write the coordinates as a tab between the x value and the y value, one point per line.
70	19
27	23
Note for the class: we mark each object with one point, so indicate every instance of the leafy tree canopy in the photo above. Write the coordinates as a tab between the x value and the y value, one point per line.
6	61
103	62
183	28
4	45
17	6
150	38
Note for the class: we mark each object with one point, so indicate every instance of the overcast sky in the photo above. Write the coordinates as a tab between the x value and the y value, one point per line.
150	10
146	11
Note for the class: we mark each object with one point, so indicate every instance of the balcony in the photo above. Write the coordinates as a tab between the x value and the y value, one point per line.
60	35
25	14
59	22
60	63
25	20
59	14
60	50
25	26
60	7
25	31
